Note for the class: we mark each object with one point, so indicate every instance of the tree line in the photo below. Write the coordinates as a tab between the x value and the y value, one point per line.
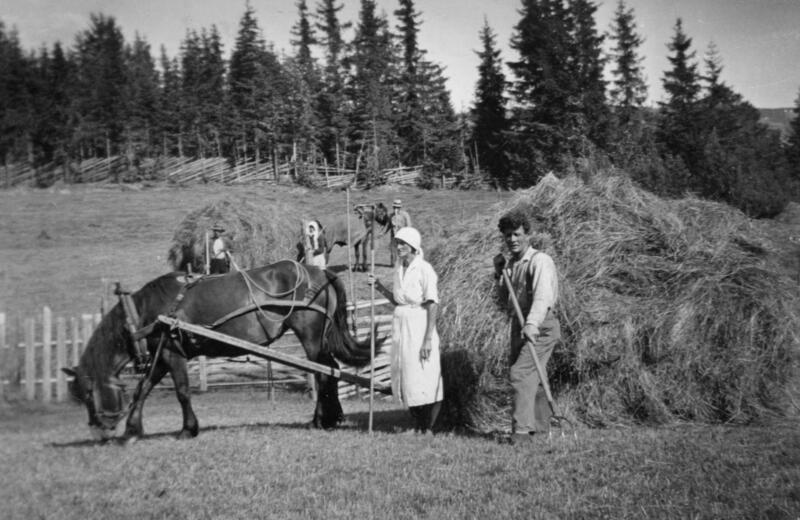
375	100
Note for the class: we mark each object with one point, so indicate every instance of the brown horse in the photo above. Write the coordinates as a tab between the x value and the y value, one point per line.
258	305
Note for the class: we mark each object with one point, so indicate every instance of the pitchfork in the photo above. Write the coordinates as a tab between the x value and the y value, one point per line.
558	418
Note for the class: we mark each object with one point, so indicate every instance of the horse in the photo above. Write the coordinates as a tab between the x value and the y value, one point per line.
335	231
258	305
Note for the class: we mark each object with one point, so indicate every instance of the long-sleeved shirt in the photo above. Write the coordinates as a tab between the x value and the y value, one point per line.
400	219
535	281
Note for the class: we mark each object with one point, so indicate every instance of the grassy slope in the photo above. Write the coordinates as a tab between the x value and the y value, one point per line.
255	459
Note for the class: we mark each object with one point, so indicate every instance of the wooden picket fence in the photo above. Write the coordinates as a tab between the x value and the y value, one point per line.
31	367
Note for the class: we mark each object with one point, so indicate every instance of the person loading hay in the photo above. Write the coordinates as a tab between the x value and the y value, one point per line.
315	245
415	363
220	251
534	279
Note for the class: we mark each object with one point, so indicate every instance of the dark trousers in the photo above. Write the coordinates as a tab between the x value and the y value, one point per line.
219	266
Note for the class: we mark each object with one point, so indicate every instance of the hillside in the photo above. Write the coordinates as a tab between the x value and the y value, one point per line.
777	118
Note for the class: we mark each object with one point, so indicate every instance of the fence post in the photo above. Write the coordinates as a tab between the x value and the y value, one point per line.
30	359
87	328
76	340
47	354
61	359
203	374
4	357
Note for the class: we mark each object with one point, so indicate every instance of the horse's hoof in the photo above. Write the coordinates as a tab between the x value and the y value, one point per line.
186	434
128	440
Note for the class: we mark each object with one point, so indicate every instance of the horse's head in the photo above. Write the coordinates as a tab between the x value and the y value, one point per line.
381	213
105	399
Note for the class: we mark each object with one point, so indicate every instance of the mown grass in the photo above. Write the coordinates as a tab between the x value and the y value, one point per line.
256	459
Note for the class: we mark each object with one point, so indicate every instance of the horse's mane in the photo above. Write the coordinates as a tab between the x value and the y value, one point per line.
107	340
110	338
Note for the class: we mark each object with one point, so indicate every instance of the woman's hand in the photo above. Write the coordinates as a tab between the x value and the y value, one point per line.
425	351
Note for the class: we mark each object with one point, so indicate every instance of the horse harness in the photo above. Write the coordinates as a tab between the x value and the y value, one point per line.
142	358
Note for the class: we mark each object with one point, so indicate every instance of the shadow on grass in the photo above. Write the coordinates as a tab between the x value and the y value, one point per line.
385	421
392	421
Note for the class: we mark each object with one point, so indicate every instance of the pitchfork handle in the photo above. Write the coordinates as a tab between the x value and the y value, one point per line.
521	318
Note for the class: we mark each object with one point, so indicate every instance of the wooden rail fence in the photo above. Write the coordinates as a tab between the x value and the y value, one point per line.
30	366
188	170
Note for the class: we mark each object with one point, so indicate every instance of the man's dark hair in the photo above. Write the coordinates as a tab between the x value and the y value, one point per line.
512	220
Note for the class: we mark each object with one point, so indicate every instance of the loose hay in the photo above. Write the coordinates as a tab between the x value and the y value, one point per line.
260	235
668	311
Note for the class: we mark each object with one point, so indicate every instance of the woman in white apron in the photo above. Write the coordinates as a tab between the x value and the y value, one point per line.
315	245
416	369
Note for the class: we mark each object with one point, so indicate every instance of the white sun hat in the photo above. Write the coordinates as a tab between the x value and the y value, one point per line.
410	236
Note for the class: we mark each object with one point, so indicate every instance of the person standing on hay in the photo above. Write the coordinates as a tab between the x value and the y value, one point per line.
415	364
315	245
534	279
220	251
399	219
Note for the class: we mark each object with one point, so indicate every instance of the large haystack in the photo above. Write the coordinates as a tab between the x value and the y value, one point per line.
259	235
668	309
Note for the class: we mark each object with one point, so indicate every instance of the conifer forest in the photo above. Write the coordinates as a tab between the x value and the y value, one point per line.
362	94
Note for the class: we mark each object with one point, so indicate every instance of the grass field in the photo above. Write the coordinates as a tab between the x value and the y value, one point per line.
63	246
255	459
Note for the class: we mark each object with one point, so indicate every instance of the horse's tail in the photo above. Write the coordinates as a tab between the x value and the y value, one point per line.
340	342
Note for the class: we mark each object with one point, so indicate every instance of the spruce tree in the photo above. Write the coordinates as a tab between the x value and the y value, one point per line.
303	72
441	146
628	87
192	140
15	99
587	66
61	115
543	90
101	80
742	163
169	106
332	101
488	114
679	131
141	94
408	108
370	71
255	82
793	145
212	93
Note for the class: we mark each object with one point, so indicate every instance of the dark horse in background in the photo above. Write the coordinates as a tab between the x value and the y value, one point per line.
258	305
335	231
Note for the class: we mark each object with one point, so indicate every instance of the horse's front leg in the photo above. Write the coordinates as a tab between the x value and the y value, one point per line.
133	426
180	377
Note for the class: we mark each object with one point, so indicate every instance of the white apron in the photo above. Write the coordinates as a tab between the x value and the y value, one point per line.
414	382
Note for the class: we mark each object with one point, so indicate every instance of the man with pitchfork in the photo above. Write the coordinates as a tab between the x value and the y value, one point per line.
532	276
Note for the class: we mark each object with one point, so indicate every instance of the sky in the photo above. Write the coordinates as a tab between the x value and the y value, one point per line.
758	40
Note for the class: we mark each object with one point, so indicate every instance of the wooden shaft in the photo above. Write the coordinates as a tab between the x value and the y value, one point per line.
371	319
286	359
529	341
